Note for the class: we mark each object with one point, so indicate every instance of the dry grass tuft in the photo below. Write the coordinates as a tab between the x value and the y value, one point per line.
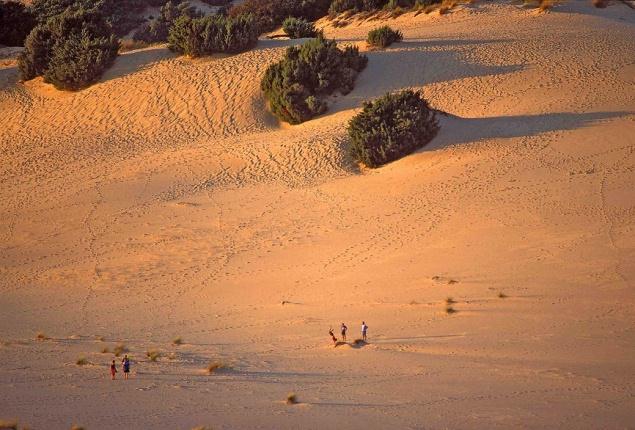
42	336
153	355
105	350
450	310
81	361
8	425
292	399
449	301
502	295
120	349
214	367
177	341
131	45
100	338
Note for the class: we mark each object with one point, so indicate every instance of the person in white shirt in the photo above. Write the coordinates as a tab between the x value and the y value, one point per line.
364	330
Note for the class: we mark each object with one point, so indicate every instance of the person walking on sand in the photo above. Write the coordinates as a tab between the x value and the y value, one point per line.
126	366
364	330
344	328
113	370
333	337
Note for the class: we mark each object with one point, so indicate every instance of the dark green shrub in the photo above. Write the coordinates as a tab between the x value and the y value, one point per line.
216	33
123	16
297	28
384	36
16	22
296	86
70	50
339	6
158	29
391	127
271	13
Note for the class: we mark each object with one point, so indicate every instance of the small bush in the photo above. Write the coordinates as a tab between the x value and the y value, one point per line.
383	37
42	336
120	349
177	340
157	30
70	50
16	22
450	310
215	367
297	28
212	34
450	301
81	361
8	425
296	86
105	350
292	399
271	13
153	355
391	127
502	295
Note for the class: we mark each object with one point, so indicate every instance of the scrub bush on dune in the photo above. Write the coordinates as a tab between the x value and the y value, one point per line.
271	13
197	37
383	36
297	28
158	29
391	127
16	22
70	50
296	86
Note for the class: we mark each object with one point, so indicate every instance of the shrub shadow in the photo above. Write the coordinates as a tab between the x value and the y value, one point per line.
456	130
131	62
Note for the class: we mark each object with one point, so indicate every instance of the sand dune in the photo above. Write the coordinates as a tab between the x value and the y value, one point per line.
166	201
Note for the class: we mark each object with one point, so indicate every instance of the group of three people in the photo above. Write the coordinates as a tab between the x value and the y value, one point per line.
344	329
125	363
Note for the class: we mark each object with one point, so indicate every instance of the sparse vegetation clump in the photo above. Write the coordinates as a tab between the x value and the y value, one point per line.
214	367
197	37
120	349
383	36
81	361
297	85
153	355
271	13
41	336
8	425
292	399
450	310
391	127
297	28
158	29
502	295
449	301
177	341
70	50
16	22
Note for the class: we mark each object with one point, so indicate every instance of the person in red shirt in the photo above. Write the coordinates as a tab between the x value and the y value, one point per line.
113	370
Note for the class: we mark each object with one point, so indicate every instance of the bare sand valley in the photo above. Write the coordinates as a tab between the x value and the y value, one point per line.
165	202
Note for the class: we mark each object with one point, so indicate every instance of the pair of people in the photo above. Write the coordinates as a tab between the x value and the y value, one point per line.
344	329
125	363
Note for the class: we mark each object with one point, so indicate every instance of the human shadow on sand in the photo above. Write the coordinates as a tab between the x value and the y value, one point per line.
456	130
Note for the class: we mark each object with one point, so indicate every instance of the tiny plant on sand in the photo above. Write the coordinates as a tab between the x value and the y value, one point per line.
449	301
450	310
42	336
81	361
120	349
177	341
502	295
292	399
153	355
105	350
215	367
8	424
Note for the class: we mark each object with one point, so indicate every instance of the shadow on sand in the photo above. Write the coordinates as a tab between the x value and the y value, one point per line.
456	130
